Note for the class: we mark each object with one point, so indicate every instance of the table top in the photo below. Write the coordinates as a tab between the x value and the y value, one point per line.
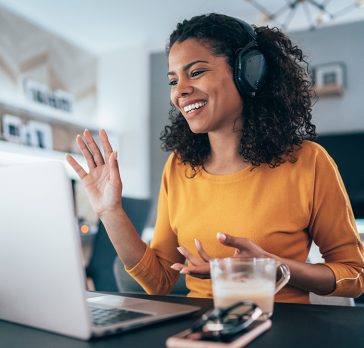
294	325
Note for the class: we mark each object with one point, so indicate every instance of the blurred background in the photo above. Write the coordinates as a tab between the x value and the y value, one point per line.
70	65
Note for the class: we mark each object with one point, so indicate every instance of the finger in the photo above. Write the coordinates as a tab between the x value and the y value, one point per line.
189	256
86	152
106	146
235	242
91	143
201	271
201	251
244	254
76	166
114	169
177	266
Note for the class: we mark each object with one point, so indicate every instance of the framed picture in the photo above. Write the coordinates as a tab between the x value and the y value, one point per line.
13	129
40	93
39	135
329	79
63	100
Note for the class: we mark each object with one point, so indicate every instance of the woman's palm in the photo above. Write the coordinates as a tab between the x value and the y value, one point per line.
103	194
102	183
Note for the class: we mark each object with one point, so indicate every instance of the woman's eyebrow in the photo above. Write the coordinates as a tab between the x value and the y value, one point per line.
187	66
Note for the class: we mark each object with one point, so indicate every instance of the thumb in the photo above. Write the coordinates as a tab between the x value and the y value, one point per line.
235	242
231	241
225	238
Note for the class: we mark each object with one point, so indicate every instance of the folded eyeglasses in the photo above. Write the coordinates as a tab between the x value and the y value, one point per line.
221	324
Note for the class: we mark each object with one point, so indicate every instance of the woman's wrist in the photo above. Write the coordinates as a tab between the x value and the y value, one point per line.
111	213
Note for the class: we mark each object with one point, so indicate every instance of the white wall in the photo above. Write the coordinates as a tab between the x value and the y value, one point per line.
123	106
344	44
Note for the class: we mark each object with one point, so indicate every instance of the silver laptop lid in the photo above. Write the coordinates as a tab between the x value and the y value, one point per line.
41	273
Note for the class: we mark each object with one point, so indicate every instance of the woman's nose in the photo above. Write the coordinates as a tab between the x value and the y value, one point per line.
183	89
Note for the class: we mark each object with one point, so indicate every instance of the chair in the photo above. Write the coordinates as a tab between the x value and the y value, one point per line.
100	267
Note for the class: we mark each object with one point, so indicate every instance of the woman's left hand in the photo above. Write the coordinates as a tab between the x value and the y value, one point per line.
199	266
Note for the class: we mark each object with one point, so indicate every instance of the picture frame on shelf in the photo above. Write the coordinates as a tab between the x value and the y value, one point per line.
63	100
39	135
329	79
40	93
13	129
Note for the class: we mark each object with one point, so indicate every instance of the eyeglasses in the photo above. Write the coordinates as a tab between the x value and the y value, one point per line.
222	324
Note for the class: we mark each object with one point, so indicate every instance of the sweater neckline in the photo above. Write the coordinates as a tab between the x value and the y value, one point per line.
235	176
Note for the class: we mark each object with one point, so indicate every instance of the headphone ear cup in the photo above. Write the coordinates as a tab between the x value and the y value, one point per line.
249	72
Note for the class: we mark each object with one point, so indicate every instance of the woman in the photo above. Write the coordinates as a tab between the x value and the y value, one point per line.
241	178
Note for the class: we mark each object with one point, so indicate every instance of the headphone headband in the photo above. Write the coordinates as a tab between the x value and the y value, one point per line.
247	28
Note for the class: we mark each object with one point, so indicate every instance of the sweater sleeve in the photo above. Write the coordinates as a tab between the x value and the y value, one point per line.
333	228
153	272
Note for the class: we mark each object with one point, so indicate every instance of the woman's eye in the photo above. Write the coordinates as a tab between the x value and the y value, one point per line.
196	73
172	82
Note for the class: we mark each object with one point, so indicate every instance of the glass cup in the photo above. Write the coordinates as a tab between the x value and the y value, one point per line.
237	279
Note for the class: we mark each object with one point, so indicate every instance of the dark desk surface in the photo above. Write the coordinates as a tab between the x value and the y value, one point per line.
293	326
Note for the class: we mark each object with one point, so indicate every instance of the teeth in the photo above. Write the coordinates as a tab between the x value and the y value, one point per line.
189	108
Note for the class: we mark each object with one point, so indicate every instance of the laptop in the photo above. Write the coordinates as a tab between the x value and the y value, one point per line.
42	279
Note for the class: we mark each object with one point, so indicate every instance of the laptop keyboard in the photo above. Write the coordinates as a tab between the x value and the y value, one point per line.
106	316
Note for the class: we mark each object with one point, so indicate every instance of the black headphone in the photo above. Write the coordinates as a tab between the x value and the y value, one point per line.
250	64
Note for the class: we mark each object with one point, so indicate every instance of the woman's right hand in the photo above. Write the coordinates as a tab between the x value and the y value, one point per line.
102	182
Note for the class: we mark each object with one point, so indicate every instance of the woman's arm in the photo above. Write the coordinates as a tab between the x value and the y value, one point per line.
125	239
103	186
316	278
332	227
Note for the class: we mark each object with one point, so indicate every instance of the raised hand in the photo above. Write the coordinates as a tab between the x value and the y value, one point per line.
102	181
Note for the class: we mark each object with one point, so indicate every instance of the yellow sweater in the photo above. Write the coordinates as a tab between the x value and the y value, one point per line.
281	209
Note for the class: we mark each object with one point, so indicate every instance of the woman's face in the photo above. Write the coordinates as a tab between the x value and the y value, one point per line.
202	88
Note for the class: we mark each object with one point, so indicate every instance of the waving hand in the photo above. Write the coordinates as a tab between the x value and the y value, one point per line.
102	181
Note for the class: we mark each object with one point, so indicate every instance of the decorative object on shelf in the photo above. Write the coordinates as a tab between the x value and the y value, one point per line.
316	12
39	135
40	93
329	79
13	129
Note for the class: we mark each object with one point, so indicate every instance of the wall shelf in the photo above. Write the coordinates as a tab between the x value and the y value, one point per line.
43	113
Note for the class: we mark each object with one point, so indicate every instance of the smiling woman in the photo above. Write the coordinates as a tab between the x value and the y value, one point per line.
242	179
202	88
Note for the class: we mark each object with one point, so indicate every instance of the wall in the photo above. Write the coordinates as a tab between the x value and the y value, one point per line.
341	43
112	90
123	106
29	51
159	107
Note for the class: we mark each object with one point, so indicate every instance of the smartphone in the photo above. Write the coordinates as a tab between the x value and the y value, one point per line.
191	339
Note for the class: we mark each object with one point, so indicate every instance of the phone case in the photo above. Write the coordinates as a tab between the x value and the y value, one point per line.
188	339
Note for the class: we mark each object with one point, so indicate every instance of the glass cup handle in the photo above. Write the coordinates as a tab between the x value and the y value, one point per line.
286	274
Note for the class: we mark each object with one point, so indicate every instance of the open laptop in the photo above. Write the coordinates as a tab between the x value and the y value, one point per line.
42	280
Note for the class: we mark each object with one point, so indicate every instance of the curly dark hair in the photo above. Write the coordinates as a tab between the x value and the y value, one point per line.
276	120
